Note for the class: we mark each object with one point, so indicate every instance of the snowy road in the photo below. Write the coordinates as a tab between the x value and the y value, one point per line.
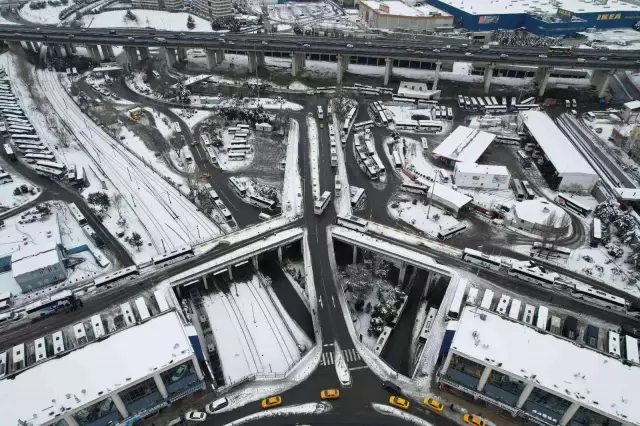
171	220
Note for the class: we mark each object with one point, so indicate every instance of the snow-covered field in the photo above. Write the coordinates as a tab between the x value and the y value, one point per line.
48	15
146	18
149	204
253	335
192	116
163	124
8	199
292	187
416	215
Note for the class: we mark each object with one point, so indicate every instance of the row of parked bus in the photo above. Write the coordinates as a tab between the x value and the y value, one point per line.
534	274
491	105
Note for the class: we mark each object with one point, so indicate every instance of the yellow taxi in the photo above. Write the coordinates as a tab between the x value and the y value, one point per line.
194	143
399	402
330	394
470	419
272	401
434	405
205	175
322	125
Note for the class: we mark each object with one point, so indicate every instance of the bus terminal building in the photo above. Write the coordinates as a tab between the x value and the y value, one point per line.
115	380
541	377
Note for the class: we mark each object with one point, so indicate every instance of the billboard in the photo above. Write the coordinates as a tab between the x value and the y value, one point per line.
564	15
491	19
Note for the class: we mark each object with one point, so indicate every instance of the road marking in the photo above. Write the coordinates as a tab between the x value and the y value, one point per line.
330	356
347	355
333	301
320	302
327	344
358	368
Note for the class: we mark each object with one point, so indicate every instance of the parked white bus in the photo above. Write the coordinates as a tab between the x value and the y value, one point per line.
321	203
455	309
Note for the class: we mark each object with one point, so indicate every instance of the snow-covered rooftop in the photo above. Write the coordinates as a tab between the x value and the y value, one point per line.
34	257
398	8
482	169
564	156
464	145
628	194
538	211
544	7
451	195
633	105
594	380
97	369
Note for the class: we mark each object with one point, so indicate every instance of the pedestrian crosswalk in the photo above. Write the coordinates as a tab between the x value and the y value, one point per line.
350	355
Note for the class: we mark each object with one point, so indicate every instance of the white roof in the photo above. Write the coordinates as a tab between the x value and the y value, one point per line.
564	156
633	105
478	169
399	8
451	195
537	211
594	380
509	7
101	367
628	194
464	145
33	257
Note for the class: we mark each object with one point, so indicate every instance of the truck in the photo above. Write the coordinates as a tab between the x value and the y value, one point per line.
452	327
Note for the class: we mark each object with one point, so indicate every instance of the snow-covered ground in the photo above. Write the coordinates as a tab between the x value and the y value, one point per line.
163	124
192	116
613	39
48	15
9	200
146	18
253	336
308	408
292	187
314	156
402	208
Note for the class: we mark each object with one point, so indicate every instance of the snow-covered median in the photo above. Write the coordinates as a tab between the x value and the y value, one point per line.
312	133
292	188
302	409
145	18
342	369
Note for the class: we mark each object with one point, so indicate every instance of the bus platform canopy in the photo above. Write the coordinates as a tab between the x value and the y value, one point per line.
464	145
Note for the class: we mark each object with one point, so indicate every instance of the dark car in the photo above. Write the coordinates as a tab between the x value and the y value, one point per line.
392	387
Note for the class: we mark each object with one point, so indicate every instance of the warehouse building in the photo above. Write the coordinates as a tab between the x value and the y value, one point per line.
560	163
449	199
539	215
117	380
38	265
394	14
542	18
544	378
464	145
472	175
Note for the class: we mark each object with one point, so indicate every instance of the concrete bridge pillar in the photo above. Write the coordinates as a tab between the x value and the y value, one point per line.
488	75
280	254
402	274
254	261
253	62
220	55
169	55
212	59
569	413
388	69
339	69
260	61
205	281
230	272
601	79
297	63
182	54
484	377
345	63
30	46
107	51
94	53
144	53
55	50
436	77
542	79
69	49
132	56
355	254
445	365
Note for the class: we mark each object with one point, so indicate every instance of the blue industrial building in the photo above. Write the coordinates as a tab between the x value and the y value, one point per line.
545	20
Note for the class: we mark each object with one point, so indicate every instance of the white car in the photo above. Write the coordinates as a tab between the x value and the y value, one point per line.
264	42
504	56
349	46
603	58
306	45
542	56
468	54
195	416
